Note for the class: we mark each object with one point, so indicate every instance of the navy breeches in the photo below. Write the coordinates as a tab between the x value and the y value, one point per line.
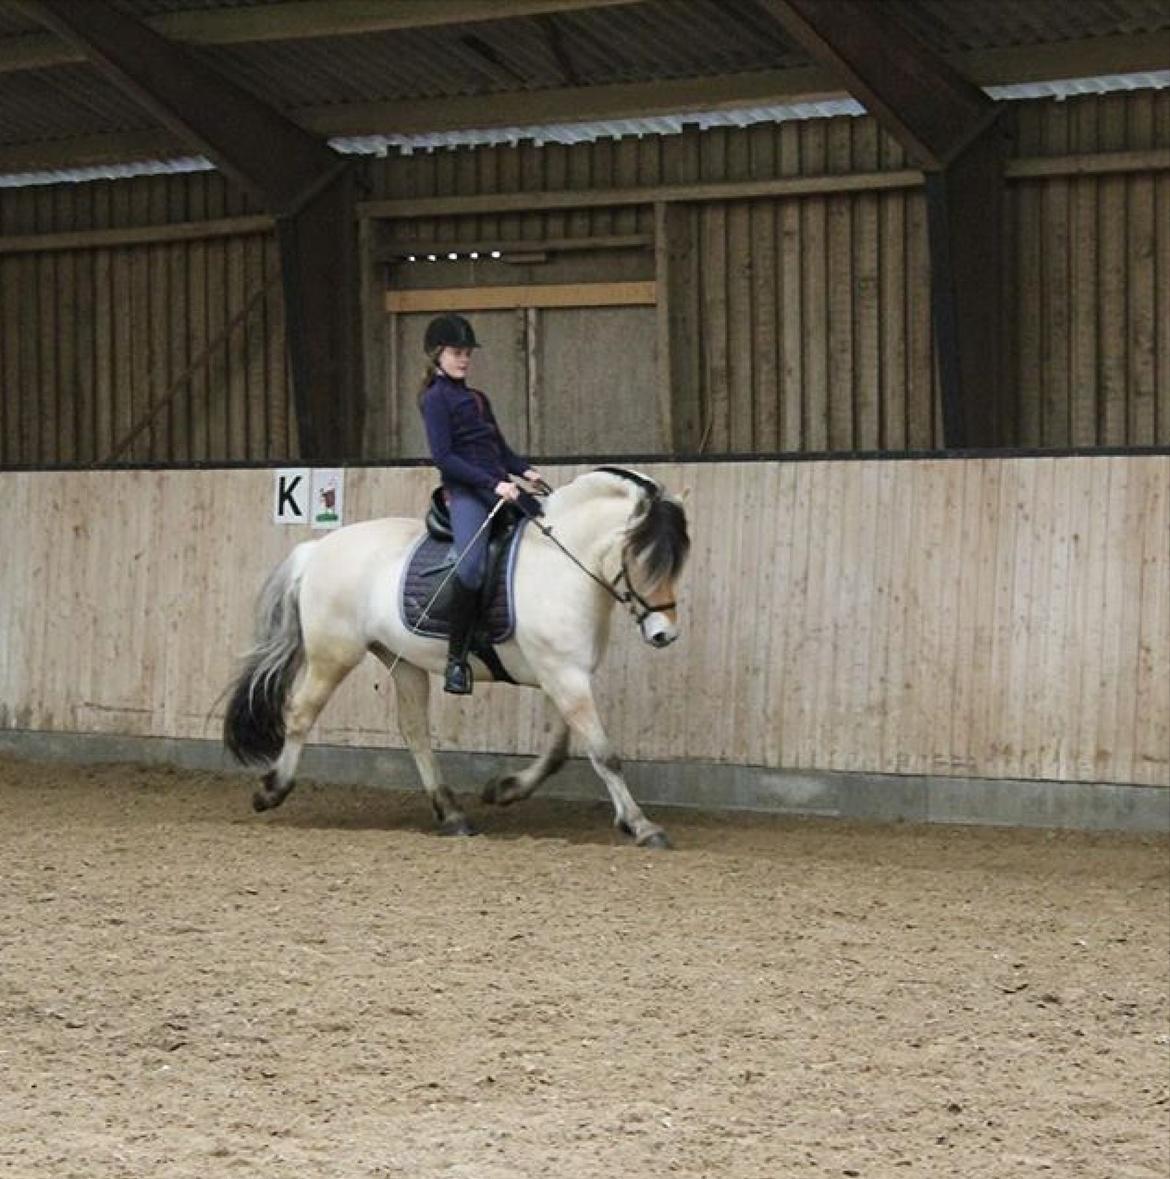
468	512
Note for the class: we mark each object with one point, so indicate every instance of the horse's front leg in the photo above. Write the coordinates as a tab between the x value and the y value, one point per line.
572	693
508	788
412	688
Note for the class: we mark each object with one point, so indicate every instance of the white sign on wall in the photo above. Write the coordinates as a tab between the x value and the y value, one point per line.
328	503
290	497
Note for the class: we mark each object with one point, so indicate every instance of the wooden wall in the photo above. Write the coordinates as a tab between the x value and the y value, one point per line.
1001	618
92	338
812	328
1091	287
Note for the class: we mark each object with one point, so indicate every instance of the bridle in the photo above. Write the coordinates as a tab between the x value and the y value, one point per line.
639	608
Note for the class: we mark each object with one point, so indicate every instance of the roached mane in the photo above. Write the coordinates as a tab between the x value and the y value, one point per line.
658	538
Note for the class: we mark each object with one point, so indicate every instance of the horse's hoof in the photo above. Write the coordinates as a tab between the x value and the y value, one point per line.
460	826
656	840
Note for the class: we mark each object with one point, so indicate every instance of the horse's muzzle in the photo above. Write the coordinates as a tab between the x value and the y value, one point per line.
658	630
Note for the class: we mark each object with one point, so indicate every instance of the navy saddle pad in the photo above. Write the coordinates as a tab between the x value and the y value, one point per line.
430	562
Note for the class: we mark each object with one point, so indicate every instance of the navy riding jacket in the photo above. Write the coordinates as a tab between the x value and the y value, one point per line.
465	441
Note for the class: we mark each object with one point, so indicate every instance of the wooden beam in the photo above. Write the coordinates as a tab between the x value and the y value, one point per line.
581	294
105	239
1088	164
732	190
922	100
574	104
295	21
398	250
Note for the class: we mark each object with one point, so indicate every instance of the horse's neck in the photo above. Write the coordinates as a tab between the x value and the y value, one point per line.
591	523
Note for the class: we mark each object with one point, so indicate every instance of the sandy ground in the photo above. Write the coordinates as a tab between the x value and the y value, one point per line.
331	990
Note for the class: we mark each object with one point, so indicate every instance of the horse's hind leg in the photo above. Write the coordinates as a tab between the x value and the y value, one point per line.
572	693
309	695
507	788
413	689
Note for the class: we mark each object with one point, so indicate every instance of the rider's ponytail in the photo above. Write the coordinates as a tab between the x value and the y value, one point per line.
429	375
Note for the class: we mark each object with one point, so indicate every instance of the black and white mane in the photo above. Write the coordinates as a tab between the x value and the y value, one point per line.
658	538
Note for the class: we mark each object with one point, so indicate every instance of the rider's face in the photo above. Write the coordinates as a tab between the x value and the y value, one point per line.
455	362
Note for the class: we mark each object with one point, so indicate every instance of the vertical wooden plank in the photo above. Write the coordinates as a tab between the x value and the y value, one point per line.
159	325
1054	368
65	300
792	327
1141	289
235	348
217	369
924	427
140	341
1112	228
601	219
1151	741
741	344
865	209
1029	332
892	313
253	337
1083	289
122	375
716	376
509	181
177	317
763	297
556	171
626	165
815	294
9	373
1162	278
840	280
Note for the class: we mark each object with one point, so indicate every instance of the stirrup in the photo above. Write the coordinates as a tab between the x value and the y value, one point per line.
458	679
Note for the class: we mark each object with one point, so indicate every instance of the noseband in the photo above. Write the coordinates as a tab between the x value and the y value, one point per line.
638	606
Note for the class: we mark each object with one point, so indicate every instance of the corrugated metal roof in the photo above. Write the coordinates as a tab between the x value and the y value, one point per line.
568	133
645	41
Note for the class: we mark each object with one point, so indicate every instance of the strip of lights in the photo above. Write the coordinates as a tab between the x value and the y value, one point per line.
473	255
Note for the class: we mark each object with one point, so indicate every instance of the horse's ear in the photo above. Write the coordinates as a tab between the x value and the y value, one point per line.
684	495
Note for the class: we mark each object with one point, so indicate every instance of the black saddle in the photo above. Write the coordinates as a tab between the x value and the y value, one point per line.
431	562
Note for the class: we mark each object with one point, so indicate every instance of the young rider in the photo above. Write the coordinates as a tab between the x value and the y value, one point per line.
475	462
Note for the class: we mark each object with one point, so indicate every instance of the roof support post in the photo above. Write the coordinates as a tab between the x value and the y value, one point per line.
949	128
291	173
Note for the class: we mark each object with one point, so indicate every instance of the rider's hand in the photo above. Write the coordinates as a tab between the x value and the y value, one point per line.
508	491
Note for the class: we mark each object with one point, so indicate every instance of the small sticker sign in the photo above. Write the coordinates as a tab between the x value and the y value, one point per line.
328	504
290	500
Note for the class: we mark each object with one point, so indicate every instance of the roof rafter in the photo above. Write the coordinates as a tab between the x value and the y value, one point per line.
297	20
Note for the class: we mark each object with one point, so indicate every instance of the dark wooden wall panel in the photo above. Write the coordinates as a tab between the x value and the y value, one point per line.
814	316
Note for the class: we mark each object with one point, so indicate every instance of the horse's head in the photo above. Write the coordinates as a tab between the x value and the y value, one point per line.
654	551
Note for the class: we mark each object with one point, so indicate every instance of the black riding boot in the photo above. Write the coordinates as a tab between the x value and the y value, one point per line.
464	603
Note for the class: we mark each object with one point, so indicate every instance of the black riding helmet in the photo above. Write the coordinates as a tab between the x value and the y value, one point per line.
449	331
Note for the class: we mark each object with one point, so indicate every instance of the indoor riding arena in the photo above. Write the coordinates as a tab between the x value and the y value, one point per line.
858	863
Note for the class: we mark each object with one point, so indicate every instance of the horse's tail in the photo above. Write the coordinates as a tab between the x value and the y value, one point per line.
253	725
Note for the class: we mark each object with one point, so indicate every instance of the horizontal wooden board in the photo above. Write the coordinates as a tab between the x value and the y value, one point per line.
590	294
